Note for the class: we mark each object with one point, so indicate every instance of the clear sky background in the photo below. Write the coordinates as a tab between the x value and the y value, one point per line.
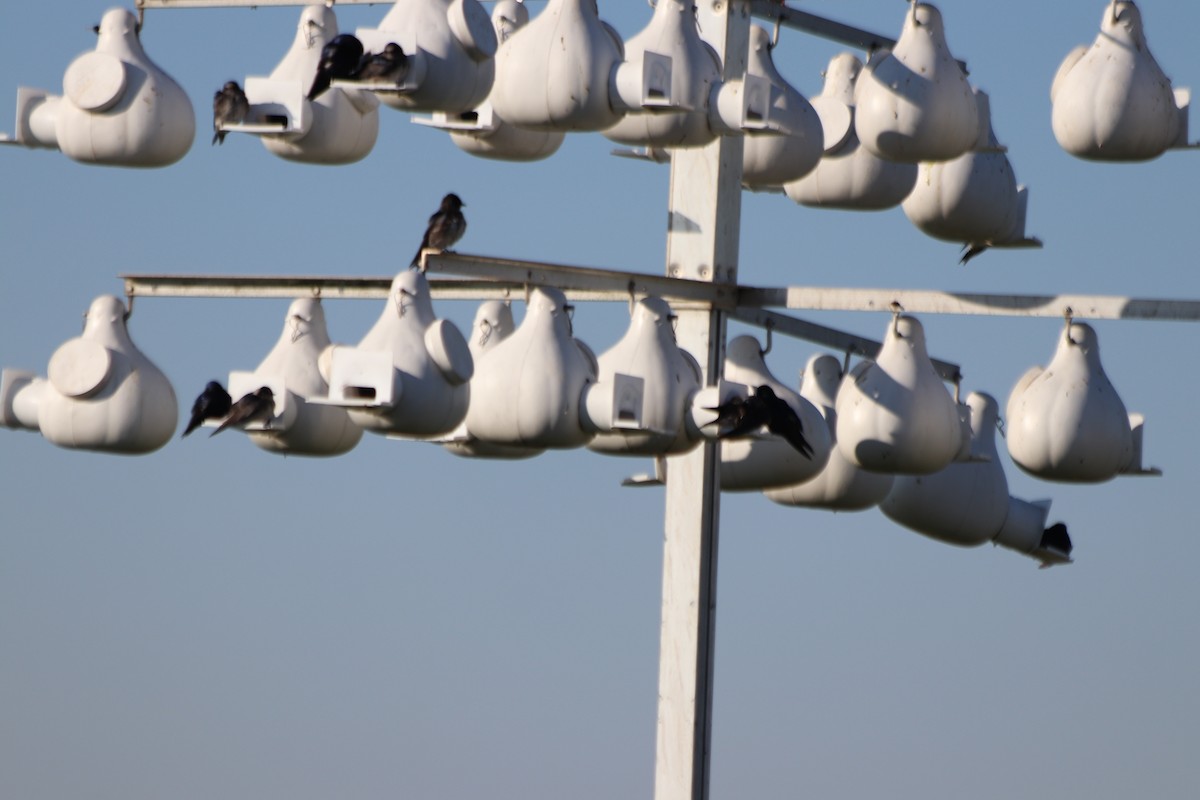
216	621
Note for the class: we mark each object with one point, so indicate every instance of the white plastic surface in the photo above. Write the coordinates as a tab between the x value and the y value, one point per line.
95	81
339	126
1066	422
849	176
648	351
840	486
487	135
119	401
554	73
291	370
427	400
972	198
914	102
119	108
529	389
670	72
79	368
493	324
20	395
894	414
1112	101
967	502
793	146
450	44
767	461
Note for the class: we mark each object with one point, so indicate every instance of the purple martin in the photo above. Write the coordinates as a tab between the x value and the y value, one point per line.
257	406
213	403
446	226
339	60
741	417
970	250
230	107
390	65
1056	538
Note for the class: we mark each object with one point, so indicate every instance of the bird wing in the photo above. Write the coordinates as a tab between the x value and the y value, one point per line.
786	422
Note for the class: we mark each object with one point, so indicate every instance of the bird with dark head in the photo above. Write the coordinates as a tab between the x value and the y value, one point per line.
213	403
388	66
446	226
740	417
1056	538
258	406
230	107
339	61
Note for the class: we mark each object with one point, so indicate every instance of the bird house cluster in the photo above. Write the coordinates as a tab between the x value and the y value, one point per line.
905	127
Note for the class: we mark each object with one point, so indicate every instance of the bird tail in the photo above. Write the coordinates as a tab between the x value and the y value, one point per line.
191	427
218	137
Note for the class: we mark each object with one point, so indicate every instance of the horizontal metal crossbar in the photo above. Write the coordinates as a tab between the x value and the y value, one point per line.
569	278
819	298
508	278
830	337
819	26
337	288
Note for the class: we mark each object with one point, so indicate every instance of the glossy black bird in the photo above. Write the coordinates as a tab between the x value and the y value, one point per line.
970	250
1056	538
339	60
742	417
446	226
390	65
257	406
213	403
230	107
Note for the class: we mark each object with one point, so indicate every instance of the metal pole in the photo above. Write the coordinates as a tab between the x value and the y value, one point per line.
702	244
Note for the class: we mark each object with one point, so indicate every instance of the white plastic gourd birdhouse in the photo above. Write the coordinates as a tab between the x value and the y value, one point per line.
840	486
967	503
974	198
493	324
555	72
100	392
481	132
292	371
118	108
529	390
849	176
670	378
408	376
338	126
913	103
1066	422
764	460
450	46
665	81
894	414
792	146
1111	101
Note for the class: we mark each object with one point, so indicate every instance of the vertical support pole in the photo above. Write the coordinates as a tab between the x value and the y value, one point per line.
702	244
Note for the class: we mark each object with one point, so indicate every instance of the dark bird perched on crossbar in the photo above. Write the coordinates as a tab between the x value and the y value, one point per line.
339	60
390	65
213	403
446	226
230	107
740	417
258	406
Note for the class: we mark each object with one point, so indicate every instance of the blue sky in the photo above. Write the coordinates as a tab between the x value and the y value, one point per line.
216	621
